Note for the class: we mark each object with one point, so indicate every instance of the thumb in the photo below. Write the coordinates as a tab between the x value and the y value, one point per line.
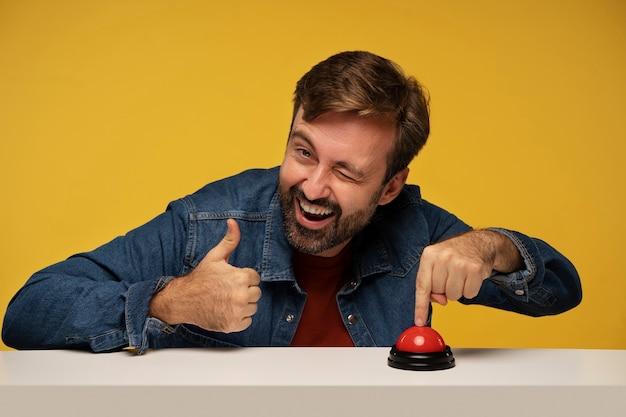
227	245
439	299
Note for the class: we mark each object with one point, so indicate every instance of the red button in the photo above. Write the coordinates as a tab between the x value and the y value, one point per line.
420	339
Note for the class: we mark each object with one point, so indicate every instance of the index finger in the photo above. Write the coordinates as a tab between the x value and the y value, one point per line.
423	286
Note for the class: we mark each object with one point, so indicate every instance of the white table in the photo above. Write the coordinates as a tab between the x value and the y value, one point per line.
339	382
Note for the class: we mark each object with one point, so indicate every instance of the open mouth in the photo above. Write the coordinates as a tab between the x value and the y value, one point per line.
314	213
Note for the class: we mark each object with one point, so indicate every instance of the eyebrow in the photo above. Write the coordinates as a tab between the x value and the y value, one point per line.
342	164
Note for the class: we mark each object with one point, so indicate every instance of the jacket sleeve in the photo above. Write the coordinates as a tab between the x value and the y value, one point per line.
99	300
548	285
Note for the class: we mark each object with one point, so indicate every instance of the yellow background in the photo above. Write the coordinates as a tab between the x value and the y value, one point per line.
110	109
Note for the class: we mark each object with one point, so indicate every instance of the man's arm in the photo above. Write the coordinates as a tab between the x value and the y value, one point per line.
457	268
100	299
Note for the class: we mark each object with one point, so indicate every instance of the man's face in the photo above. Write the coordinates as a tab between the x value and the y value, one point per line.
331	179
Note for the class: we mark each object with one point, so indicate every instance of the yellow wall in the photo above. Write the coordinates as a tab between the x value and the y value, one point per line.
108	110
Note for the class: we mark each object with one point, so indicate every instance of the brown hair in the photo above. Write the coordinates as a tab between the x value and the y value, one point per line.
368	85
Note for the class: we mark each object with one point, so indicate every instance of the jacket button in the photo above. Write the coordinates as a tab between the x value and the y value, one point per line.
289	318
519	292
353	284
351	319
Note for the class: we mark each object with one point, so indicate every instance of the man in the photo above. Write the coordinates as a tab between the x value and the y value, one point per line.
330	249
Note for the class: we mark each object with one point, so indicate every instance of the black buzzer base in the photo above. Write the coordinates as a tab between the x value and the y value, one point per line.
421	361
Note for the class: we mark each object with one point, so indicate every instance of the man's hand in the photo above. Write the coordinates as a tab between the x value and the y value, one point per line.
456	268
215	295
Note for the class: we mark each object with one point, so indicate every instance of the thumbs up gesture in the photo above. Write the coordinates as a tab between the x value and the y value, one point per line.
215	296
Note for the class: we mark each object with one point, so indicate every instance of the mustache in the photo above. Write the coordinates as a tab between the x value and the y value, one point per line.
322	202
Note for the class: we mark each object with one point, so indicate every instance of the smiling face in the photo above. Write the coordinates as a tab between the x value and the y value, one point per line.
331	179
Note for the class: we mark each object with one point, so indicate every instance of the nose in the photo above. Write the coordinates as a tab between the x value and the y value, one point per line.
317	184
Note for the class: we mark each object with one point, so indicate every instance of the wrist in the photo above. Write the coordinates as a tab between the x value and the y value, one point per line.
506	256
163	306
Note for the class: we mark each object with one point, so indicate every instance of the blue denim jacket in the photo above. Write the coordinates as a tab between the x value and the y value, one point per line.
99	300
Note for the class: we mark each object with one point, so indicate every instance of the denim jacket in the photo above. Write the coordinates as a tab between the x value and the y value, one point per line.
99	300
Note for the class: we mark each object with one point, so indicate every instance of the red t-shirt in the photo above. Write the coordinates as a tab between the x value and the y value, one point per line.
322	278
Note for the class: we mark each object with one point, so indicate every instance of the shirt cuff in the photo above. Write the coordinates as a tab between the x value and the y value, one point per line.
517	282
137	308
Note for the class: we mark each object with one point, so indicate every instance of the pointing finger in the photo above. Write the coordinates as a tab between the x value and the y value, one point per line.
423	286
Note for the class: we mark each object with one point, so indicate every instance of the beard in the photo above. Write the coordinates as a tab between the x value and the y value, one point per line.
341	229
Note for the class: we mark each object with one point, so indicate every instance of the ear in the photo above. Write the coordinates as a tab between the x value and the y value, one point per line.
393	187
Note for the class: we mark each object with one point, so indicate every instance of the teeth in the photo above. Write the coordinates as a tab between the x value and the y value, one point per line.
315	210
